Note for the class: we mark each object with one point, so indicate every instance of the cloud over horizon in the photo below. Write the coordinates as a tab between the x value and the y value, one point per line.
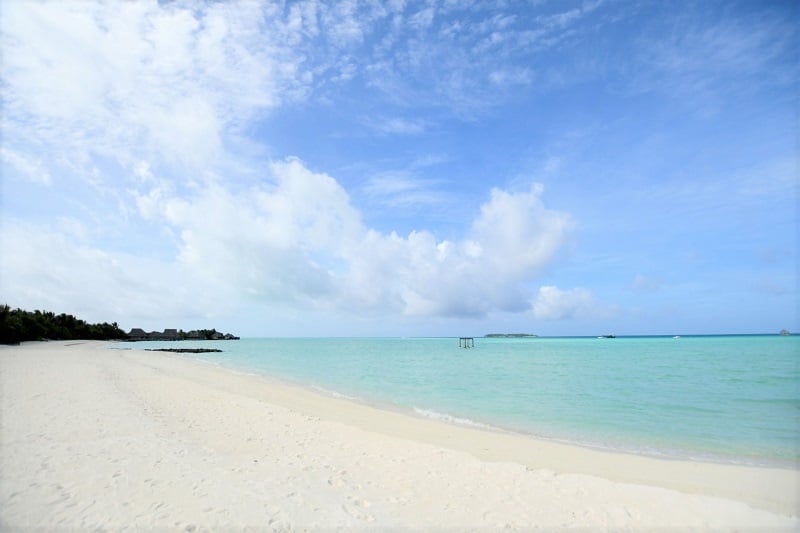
389	159
298	239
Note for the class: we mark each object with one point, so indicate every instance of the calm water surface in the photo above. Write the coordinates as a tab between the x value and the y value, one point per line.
721	398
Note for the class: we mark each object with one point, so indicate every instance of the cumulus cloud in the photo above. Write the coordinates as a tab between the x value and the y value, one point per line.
510	241
155	99
552	303
46	267
297	238
275	243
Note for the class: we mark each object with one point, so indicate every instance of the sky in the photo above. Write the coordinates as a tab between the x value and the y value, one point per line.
403	168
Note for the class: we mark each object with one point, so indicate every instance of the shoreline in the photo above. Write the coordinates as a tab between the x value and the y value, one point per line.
454	420
220	429
645	450
497	444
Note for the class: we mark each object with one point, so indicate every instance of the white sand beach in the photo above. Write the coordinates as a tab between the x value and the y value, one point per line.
93	438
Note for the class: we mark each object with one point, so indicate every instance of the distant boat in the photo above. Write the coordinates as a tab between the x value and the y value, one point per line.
785	332
676	337
607	337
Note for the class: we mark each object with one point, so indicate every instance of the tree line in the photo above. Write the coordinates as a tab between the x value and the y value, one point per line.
17	325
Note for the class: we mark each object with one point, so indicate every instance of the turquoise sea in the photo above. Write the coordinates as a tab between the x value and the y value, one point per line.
718	398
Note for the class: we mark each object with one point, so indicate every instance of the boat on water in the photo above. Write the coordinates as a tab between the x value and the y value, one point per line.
607	337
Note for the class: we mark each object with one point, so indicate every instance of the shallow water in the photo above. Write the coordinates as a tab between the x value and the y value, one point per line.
721	398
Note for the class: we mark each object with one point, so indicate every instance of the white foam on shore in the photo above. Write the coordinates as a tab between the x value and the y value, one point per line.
450	419
335	394
662	453
200	437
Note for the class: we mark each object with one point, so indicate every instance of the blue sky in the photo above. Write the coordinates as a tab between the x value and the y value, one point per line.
403	168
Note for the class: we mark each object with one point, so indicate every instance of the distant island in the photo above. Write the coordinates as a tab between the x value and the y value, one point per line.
18	325
138	334
510	335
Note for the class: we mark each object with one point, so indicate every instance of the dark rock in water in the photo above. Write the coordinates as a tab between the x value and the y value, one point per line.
183	350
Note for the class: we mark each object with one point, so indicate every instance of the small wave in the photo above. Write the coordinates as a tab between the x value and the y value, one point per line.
335	394
444	417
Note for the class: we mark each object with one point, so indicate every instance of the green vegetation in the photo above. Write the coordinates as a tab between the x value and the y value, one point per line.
207	334
17	326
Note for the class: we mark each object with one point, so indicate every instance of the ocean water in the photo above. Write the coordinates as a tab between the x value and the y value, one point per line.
718	398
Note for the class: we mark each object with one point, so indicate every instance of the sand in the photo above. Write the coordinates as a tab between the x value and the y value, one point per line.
92	438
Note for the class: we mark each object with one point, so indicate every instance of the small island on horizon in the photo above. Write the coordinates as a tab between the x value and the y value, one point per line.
18	325
138	334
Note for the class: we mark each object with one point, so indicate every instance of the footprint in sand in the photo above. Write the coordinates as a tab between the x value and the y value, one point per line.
357	514
361	503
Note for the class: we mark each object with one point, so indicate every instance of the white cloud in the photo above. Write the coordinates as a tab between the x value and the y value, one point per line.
400	126
708	66
296	238
276	243
402	189
141	79
161	92
344	24
31	170
552	303
510	76
456	56
391	183
509	243
518	232
176	82
422	19
46	267
771	178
